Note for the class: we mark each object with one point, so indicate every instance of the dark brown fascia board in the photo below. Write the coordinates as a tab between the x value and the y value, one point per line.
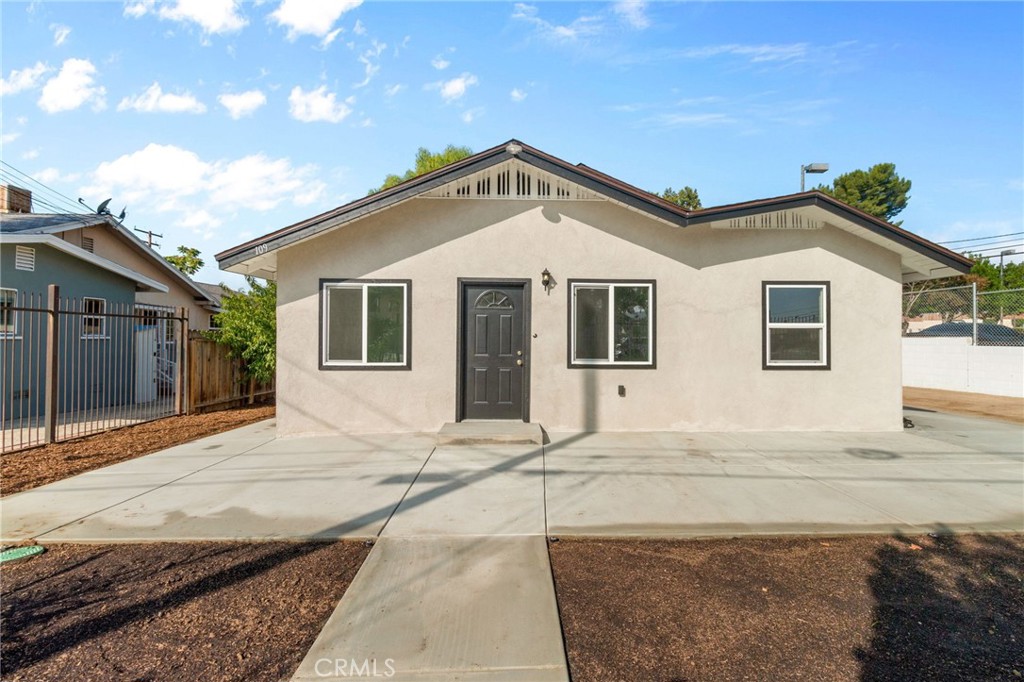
595	181
821	200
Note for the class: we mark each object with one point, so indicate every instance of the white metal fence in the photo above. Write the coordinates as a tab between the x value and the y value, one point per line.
73	367
987	318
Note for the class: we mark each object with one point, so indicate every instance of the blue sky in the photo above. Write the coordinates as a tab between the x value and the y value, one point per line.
216	121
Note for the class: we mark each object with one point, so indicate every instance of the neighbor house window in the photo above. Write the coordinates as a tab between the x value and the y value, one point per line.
611	323
94	324
8	318
796	327
365	324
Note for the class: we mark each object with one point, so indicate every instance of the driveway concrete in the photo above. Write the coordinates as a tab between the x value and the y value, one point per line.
957	473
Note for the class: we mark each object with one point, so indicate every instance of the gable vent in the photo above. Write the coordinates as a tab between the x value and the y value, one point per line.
779	220
88	244
24	258
512	180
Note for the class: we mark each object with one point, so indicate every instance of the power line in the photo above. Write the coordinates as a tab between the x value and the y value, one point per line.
981	239
54	196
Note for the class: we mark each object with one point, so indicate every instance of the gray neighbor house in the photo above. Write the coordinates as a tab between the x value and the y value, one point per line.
513	285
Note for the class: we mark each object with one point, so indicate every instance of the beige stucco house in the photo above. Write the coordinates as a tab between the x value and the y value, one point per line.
514	285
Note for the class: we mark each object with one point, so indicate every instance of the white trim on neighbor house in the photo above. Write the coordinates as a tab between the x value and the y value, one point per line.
611	286
364	286
145	283
821	324
98	315
25	258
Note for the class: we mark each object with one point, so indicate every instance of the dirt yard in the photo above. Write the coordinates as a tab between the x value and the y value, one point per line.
975	404
853	608
35	467
205	611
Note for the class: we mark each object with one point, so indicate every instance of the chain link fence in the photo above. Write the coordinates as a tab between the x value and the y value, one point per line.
985	318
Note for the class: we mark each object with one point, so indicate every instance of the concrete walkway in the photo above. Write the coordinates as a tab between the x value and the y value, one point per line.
458	585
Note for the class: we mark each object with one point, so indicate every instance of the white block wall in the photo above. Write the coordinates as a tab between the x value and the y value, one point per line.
956	365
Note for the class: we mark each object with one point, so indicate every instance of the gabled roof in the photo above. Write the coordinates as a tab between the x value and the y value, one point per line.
52	223
142	283
921	258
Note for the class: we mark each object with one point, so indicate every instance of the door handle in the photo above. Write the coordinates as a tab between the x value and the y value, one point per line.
519	362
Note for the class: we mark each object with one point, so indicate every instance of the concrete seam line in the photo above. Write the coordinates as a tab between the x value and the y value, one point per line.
831	487
155	488
407	490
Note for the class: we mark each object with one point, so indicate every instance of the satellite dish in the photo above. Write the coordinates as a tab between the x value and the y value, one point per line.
102	208
124	212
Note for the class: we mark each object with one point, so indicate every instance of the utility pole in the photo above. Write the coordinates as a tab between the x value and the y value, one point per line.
149	236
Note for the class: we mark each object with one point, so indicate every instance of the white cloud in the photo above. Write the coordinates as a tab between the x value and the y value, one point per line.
154	99
213	16
755	53
455	88
243	103
633	12
471	115
201	222
312	17
359	29
138	9
393	90
72	87
371	67
30	154
699	119
23	79
60	34
580	28
329	38
8	138
440	63
167	178
517	95
316	105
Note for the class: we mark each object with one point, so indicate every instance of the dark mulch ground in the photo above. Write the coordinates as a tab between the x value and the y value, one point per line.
27	469
851	608
186	611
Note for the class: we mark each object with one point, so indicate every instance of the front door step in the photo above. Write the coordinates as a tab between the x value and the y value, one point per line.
490	433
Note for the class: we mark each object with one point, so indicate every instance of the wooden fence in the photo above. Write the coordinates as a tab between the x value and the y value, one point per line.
215	381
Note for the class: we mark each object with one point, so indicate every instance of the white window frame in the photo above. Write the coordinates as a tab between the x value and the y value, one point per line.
824	339
13	333
611	285
363	285
102	317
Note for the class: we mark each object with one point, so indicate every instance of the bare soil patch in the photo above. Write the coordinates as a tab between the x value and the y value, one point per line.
27	469
851	608
186	611
975	404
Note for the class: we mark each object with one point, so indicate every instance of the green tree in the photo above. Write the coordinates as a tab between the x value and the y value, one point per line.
426	161
878	191
187	260
986	274
686	197
248	327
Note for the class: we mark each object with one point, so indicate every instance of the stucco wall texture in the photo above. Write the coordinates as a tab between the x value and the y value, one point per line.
709	374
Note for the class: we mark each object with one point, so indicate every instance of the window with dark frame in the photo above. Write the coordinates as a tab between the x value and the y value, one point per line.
365	324
611	323
94	324
796	325
8	316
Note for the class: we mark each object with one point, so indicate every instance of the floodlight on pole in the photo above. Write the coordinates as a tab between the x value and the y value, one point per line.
811	168
1002	254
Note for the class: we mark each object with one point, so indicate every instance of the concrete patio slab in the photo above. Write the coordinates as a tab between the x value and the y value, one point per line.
480	490
447	609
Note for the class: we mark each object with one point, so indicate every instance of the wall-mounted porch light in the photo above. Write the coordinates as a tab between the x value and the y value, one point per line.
545	280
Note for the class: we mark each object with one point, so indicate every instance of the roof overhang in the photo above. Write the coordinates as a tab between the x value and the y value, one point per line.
475	178
142	283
